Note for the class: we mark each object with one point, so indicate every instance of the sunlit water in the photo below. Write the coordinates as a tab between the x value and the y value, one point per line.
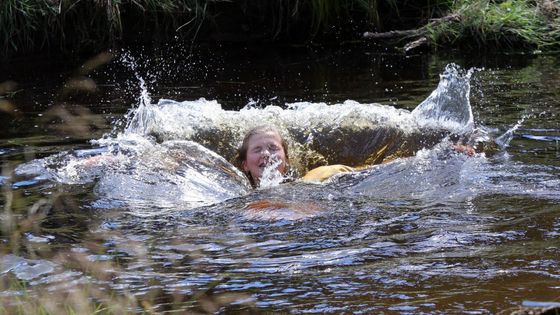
436	232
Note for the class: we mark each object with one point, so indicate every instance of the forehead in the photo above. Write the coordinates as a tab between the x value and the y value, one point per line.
265	137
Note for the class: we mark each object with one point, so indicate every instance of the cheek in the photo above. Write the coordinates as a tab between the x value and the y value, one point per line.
251	160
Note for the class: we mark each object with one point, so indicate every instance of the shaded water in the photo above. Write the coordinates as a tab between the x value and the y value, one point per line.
439	232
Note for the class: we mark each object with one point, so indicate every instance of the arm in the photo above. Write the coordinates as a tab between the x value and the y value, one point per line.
98	160
465	149
323	173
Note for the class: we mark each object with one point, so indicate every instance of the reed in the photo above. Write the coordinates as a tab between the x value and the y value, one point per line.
61	25
91	288
30	26
508	24
92	292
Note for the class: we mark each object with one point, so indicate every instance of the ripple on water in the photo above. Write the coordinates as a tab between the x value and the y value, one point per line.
26	269
438	232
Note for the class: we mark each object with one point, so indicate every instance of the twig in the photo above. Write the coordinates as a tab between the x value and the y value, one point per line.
418	33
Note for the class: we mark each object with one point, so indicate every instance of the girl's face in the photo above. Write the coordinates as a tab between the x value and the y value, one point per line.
264	149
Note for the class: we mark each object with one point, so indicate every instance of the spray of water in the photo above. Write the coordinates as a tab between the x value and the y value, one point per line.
504	140
271	176
448	106
136	115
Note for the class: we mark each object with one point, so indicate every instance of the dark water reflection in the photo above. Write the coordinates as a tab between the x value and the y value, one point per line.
483	241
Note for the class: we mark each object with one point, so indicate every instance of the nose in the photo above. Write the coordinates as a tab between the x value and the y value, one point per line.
265	152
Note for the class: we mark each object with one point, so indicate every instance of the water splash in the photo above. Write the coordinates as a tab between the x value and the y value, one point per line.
135	115
448	106
504	140
350	133
169	175
271	177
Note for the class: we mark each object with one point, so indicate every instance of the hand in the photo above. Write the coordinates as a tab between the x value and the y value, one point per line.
98	160
465	149
323	173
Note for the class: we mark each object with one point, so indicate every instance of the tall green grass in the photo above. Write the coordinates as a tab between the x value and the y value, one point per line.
500	24
73	25
36	25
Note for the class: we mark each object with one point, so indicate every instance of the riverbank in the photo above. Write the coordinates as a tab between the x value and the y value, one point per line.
63	26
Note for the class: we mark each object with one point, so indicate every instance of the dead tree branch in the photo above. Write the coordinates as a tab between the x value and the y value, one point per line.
417	35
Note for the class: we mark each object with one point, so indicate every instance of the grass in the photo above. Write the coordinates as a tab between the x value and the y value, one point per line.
507	25
69	25
91	292
62	25
90	289
30	26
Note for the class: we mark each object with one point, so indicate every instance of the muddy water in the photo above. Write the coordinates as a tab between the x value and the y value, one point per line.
436	233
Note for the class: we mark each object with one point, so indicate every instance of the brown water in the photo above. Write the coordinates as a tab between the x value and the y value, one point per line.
437	233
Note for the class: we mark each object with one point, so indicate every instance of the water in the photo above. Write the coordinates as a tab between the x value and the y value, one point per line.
438	232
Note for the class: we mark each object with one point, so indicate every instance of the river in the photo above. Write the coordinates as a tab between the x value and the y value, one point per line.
435	233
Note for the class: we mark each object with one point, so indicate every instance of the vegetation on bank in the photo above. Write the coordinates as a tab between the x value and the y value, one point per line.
503	25
30	26
65	25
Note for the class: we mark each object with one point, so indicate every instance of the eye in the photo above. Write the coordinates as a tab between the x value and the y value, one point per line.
256	150
273	147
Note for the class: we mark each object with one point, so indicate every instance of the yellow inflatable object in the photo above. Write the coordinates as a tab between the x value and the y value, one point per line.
323	173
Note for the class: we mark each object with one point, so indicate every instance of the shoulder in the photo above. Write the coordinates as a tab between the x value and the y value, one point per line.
323	173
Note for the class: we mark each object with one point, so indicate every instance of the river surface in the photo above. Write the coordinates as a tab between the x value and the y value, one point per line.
166	217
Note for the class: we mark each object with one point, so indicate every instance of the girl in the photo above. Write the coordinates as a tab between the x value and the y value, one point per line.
261	147
264	146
